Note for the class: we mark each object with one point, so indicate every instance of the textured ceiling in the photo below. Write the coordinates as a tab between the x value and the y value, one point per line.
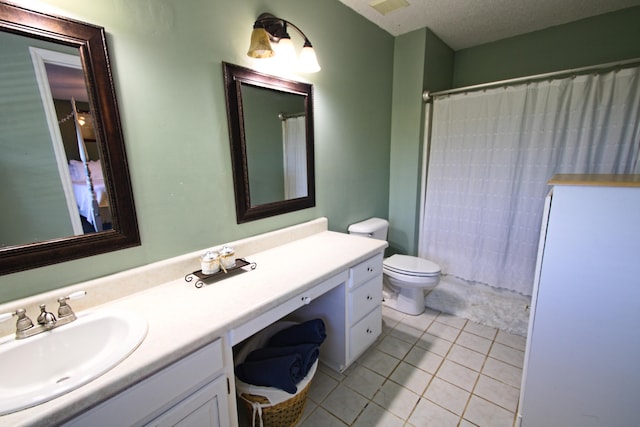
466	23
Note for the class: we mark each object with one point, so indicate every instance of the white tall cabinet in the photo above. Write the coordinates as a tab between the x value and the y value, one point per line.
582	362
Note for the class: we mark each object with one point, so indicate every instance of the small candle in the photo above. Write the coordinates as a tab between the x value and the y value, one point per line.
210	262
226	257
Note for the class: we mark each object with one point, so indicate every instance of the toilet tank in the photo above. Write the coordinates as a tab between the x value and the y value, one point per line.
372	227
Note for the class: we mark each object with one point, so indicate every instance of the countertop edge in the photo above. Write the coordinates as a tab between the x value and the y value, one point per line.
600	180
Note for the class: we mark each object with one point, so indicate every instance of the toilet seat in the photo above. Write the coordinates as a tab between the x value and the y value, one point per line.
411	266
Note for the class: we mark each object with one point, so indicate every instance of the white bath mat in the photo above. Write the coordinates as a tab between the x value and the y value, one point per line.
498	308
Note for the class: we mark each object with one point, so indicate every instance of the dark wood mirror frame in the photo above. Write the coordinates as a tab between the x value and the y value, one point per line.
234	77
91	43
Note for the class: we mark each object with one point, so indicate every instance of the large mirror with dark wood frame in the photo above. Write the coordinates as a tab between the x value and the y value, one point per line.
65	190
271	136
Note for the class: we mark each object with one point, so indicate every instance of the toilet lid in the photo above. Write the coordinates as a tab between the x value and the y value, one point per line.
411	265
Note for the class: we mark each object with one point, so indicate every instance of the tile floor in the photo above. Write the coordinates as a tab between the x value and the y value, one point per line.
429	370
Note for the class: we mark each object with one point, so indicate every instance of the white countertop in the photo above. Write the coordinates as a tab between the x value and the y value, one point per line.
183	318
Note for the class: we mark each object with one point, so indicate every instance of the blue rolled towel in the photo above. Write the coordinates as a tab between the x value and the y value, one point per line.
308	352
311	331
282	372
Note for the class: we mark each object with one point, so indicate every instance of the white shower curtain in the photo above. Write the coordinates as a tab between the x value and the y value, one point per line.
295	157
492	153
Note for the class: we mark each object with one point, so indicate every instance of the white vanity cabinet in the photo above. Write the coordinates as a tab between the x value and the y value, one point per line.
303	271
352	313
192	392
364	306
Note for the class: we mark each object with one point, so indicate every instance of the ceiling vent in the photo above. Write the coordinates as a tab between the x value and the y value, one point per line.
388	6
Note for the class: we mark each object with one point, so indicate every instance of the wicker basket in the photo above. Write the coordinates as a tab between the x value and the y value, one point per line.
269	406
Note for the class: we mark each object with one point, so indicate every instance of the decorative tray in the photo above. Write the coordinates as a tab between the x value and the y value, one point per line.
240	262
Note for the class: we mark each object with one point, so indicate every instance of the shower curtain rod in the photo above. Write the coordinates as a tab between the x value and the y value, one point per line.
429	96
285	116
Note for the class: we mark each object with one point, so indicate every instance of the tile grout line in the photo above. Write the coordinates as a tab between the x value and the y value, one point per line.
486	359
460	417
472	393
388	378
423	329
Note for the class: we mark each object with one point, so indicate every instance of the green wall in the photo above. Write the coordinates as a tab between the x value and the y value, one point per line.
421	61
601	39
166	58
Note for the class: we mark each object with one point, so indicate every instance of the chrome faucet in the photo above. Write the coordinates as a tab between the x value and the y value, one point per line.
46	320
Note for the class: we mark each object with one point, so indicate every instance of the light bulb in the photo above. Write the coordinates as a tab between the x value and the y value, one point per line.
285	51
308	59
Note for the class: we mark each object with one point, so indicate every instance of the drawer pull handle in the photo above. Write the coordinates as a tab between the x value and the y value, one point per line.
369	331
369	298
369	269
306	300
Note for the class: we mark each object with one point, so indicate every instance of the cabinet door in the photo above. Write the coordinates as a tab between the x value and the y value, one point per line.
364	333
584	349
206	407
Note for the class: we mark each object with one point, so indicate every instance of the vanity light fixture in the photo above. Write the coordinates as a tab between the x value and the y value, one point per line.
270	38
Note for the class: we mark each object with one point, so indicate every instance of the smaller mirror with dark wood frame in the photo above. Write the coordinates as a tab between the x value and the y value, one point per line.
66	192
271	136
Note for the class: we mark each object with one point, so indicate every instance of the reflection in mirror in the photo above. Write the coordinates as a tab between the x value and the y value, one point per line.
66	192
275	144
66	105
271	130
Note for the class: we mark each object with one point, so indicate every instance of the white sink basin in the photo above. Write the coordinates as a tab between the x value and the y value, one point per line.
45	366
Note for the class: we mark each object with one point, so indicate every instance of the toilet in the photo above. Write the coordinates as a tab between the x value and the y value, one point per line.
406	279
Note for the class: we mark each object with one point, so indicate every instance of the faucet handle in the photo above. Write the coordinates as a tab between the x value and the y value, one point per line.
6	316
23	323
65	309
72	296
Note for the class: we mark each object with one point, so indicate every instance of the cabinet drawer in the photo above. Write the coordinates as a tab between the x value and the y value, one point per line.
364	299
258	323
364	271
364	333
